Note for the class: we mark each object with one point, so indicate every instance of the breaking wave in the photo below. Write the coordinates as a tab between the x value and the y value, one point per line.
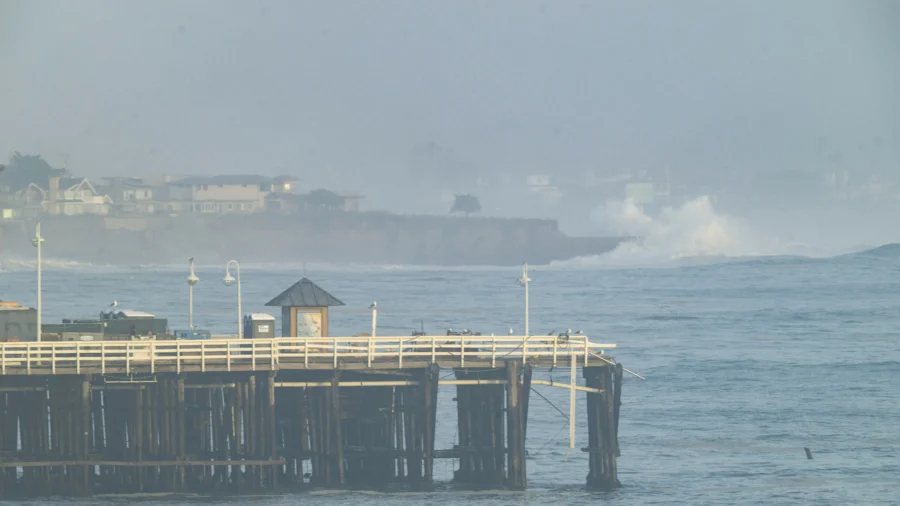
886	251
690	234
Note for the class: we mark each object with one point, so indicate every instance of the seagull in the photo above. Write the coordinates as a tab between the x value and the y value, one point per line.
114	303
552	332
580	332
510	331
191	260
372	306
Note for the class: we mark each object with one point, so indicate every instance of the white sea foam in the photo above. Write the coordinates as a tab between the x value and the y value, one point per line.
13	264
694	232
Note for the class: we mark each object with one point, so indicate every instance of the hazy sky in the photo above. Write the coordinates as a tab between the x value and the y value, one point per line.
342	92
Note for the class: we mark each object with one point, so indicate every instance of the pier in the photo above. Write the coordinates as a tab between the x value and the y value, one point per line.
282	413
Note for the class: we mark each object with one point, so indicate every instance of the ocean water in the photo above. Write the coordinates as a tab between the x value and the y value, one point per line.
747	362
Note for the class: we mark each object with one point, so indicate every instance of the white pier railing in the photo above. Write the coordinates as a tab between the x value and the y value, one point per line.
218	354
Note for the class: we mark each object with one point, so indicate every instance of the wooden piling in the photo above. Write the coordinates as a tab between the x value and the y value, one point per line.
515	431
482	428
603	423
272	442
336	424
84	428
430	387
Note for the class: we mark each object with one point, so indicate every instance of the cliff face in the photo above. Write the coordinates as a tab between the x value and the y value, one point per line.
361	238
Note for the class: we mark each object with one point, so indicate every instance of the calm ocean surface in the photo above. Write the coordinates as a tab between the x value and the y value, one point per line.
747	362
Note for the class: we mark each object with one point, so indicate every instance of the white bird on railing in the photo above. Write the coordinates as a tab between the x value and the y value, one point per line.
510	331
372	306
114	303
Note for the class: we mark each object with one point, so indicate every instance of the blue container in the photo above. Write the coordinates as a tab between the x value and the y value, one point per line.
194	335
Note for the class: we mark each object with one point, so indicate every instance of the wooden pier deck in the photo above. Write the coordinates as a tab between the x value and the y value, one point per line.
252	414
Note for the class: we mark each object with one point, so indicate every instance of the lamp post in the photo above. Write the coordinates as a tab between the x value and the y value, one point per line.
192	280
37	241
524	282
374	317
228	281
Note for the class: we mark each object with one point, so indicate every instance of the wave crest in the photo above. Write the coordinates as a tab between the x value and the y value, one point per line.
690	234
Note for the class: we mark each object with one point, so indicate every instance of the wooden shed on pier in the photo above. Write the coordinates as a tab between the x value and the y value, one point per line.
304	309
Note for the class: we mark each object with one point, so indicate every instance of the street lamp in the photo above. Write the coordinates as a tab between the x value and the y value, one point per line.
374	316
228	281
192	280
524	282
37	241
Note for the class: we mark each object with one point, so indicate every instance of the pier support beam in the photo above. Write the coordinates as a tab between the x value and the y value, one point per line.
240	430
482	431
603	423
515	430
430	387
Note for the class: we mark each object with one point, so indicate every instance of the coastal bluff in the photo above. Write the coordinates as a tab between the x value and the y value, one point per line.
330	237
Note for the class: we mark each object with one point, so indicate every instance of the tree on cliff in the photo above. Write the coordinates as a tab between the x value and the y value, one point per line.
325	199
24	170
466	204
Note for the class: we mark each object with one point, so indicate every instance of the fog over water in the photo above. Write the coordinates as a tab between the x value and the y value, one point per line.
771	127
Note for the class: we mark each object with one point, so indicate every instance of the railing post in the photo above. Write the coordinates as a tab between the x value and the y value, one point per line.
462	351
77	358
53	359
228	355
3	358
524	349
433	350
334	352
493	351
252	355
152	357
400	348
202	356
371	349
128	350
555	344
306	354
28	359
178	357
585	351
103	358
572	380
272	355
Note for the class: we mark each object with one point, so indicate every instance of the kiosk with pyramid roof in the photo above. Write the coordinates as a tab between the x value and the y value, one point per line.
304	309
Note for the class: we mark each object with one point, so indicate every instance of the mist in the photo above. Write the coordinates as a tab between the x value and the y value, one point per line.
784	117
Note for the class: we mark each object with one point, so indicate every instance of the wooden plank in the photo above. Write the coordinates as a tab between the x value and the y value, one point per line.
144	463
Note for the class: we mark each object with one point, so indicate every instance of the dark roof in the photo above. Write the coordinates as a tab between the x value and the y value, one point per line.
304	293
223	180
